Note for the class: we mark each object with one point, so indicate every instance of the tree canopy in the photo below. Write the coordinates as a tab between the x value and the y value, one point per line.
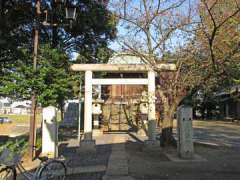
44	76
89	36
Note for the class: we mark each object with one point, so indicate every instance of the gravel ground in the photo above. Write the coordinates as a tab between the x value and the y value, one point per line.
75	159
223	160
87	176
221	164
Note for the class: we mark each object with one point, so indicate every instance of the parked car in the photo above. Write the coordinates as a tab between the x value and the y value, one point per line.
5	120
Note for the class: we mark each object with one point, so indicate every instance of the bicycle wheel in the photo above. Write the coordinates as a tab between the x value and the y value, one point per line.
53	170
8	173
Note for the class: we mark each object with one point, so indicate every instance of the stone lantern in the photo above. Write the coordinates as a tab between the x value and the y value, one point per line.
143	114
97	111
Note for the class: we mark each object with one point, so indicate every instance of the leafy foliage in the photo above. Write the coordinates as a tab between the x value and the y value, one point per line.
50	81
93	28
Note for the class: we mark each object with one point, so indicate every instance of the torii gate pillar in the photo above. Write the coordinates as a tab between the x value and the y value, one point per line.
151	106
88	106
151	143
88	144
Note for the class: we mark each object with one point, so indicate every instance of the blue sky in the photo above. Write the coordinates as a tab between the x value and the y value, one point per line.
175	40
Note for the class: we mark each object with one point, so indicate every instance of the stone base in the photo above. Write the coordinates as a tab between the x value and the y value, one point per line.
87	146
151	145
141	132
97	132
49	154
175	158
186	155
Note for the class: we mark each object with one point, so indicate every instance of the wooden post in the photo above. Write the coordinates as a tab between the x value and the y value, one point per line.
88	106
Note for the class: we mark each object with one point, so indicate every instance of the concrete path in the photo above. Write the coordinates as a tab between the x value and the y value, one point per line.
118	163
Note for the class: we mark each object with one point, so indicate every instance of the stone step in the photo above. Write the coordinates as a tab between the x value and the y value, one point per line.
118	163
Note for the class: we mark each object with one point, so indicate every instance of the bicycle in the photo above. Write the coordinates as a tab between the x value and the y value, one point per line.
49	169
7	173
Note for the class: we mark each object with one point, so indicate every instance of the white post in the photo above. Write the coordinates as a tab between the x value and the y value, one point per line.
151	106
49	132
88	106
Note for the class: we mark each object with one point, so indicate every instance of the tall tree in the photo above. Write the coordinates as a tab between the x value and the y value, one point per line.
218	37
162	32
87	36
219	33
18	20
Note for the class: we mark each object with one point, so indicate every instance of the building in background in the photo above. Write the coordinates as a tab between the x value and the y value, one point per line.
5	105
21	107
8	106
123	92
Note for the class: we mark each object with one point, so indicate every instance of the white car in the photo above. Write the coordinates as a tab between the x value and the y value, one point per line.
5	120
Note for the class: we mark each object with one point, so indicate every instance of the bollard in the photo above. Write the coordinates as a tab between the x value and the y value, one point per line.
49	132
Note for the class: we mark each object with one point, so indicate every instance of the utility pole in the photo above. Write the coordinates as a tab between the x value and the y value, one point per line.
53	24
71	15
32	133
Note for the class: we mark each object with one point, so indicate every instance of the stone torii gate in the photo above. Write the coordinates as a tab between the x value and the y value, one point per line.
87	142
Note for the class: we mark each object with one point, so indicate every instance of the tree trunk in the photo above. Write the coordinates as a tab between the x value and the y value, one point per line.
167	130
62	111
168	115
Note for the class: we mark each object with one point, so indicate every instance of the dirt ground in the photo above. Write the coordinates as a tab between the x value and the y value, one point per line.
15	129
6	129
217	143
221	164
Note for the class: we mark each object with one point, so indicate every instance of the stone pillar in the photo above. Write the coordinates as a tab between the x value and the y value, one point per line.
87	144
151	106
185	132
49	132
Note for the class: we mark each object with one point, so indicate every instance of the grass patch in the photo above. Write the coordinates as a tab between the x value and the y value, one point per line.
15	145
22	118
19	145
